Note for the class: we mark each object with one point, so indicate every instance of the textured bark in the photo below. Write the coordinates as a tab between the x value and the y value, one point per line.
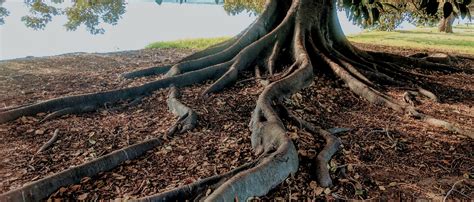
290	41
446	24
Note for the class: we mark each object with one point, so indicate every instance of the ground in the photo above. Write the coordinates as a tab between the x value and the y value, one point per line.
385	155
424	38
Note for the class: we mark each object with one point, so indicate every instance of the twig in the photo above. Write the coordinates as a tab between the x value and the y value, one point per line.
46	145
461	193
251	79
465	57
451	190
50	142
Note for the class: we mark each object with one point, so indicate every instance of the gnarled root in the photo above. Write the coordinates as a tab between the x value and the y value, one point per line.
417	62
333	144
376	97
41	189
69	110
146	72
187	117
69	104
304	25
197	189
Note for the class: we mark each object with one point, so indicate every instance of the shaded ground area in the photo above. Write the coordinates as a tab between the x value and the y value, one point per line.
385	155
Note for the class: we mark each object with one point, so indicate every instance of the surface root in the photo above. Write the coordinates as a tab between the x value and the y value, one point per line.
41	189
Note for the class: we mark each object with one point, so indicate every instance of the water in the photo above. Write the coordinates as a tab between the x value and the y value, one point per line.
143	22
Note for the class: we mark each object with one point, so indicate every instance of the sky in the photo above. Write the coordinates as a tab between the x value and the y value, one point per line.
143	23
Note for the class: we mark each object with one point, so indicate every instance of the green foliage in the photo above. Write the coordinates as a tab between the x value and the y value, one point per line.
41	14
3	13
198	44
83	12
237	6
388	14
92	12
461	41
378	14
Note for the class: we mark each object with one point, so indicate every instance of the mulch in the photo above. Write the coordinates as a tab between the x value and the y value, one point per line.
386	155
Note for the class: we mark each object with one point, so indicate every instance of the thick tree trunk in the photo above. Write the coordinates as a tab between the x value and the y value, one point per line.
290	41
446	24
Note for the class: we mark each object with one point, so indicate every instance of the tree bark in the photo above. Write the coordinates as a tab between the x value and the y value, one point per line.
446	24
293	39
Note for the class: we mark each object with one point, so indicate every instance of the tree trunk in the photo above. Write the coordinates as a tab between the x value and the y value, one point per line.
446	24
290	41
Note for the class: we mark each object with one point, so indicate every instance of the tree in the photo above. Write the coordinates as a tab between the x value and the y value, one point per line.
3	12
89	13
286	45
388	15
450	13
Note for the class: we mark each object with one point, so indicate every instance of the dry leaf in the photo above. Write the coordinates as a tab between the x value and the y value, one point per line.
313	185
82	197
327	191
319	191
39	132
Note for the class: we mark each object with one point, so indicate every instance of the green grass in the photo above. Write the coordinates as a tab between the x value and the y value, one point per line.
461	41
198	44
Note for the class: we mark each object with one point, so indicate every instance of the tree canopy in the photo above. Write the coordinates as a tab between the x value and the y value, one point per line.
377	14
389	14
292	45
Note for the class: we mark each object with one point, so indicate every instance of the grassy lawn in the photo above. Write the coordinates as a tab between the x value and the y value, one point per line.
200	43
461	41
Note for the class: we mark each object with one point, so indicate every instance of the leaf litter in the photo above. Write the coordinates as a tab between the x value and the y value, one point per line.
385	155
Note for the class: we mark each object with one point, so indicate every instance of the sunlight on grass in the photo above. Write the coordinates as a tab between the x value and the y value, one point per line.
199	43
461	41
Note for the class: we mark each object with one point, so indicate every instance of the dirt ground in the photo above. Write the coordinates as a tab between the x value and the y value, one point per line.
385	155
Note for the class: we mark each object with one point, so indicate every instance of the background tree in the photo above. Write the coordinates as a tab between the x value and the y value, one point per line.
90	13
388	15
289	45
3	12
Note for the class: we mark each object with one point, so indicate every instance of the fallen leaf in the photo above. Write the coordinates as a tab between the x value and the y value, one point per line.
82	197
327	191
118	176
313	185
318	191
62	189
39	132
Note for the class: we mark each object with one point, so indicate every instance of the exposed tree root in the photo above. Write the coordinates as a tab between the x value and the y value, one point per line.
50	142
410	96
187	117
147	72
69	110
47	144
164	69
428	94
439	123
13	107
41	189
376	97
333	144
70	103
197	190
420	63
315	43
